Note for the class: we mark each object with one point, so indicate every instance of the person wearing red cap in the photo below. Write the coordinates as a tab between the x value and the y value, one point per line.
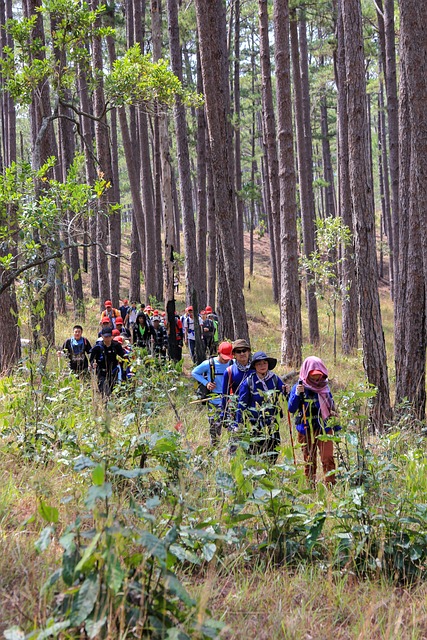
210	374
312	402
207	329
124	309
110	312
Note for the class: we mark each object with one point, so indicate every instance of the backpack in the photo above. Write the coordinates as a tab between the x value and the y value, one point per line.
202	392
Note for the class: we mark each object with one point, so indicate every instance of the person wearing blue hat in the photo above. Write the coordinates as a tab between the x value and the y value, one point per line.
258	405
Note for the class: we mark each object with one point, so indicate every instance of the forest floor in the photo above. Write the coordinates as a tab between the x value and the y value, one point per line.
253	595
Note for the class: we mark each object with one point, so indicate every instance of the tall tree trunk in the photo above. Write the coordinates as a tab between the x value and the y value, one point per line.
115	222
135	263
212	33
269	126
239	241
290	297
190	248
10	343
211	228
328	172
349	290
201	226
88	133
104	159
303	131
413	193
374	353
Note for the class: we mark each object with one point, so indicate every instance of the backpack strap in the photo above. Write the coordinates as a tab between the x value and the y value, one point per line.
212	369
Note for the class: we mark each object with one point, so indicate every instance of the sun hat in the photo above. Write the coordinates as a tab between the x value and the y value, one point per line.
261	355
225	349
241	343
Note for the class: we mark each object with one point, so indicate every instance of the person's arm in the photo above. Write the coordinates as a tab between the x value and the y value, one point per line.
295	401
201	373
88	346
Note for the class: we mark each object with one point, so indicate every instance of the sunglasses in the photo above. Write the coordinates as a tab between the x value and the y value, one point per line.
241	350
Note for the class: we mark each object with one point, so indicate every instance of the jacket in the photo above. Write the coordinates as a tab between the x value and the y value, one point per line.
201	373
256	402
307	411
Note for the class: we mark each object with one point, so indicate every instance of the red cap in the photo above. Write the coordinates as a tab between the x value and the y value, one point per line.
105	319
119	320
226	350
115	332
118	339
208	309
163	314
108	303
148	308
189	308
125	301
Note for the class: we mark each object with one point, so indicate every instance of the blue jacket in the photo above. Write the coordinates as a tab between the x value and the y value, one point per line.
233	378
259	405
311	405
201	373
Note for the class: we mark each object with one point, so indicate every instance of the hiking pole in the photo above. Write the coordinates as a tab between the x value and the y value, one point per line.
292	437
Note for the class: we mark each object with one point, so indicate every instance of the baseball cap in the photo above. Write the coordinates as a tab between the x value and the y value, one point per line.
115	332
226	349
107	333
208	309
105	320
119	320
108	303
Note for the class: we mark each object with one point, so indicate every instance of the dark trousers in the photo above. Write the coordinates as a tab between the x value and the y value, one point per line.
215	423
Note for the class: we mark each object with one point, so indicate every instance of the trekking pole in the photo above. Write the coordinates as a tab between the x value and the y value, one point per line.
292	437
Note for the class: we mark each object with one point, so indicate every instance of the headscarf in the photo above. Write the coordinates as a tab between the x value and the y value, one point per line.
321	387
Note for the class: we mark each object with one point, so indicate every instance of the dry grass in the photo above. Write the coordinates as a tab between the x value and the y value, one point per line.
305	603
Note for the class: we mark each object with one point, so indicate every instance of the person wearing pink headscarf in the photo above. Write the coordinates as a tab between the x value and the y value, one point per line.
311	400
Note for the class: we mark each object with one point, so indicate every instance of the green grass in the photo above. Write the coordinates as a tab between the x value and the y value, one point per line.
314	594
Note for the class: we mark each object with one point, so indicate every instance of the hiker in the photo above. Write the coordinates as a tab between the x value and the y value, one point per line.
124	309
189	333
142	332
105	360
131	317
110	313
312	402
122	329
258	403
175	351
210	375
160	338
207	329
77	349
234	376
215	337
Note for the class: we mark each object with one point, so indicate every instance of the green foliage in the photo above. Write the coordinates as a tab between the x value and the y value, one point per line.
136	79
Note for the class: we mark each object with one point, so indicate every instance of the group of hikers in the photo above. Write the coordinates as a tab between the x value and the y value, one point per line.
243	395
240	389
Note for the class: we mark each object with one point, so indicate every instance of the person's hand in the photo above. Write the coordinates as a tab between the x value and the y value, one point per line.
59	353
210	386
299	389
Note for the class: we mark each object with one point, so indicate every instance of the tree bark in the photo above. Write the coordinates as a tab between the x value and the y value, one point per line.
374	353
349	290
411	341
290	298
212	33
305	159
189	227
269	127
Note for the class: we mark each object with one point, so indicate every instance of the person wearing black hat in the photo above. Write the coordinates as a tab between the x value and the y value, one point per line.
258	404
105	360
